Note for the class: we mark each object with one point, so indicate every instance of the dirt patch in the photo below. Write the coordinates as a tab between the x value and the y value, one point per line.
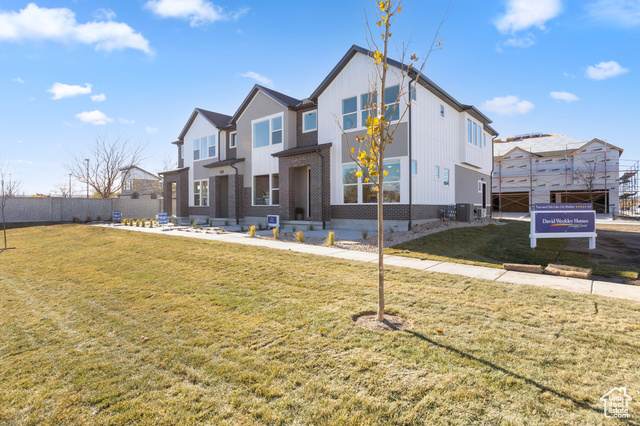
616	245
389	323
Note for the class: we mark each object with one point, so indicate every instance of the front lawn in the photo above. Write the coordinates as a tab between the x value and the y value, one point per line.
245	335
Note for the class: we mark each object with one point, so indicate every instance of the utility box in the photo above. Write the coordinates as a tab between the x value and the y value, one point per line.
464	212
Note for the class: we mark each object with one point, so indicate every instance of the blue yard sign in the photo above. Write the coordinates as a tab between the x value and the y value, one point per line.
273	221
563	221
116	217
163	219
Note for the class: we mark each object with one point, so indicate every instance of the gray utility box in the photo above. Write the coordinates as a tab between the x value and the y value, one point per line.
464	212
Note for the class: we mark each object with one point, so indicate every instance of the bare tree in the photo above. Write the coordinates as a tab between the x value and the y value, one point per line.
168	163
382	110
587	175
8	188
102	167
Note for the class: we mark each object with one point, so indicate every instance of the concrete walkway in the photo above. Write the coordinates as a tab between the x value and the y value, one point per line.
602	288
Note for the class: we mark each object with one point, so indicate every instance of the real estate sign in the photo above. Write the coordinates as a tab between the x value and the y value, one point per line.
116	217
563	220
163	219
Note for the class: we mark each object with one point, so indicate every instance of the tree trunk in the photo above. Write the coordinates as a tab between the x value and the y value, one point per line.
380	248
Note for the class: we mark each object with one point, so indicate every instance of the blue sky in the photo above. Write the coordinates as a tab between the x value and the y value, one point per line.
72	70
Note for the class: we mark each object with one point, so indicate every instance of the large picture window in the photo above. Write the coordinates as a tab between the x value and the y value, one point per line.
355	190
266	190
267	132
201	193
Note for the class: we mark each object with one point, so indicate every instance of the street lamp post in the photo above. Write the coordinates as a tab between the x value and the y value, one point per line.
87	160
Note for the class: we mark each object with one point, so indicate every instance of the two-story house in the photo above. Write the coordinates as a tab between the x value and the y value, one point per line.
280	155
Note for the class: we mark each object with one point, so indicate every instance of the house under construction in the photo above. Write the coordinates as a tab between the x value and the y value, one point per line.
550	168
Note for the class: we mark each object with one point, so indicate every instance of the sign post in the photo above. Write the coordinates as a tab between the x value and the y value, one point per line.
116	217
563	220
163	220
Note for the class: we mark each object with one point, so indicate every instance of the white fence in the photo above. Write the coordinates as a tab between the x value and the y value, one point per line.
26	209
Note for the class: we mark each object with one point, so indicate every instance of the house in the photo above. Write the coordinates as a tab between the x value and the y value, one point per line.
552	168
281	155
139	183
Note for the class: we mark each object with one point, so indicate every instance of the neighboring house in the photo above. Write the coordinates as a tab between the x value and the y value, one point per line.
550	168
139	183
281	155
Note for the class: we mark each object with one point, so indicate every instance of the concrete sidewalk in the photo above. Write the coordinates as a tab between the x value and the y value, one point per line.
601	288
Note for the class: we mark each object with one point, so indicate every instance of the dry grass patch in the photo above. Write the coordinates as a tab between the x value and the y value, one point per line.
247	335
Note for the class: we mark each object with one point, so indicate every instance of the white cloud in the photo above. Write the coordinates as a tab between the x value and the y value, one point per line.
98	98
259	78
522	42
198	12
123	121
103	14
621	12
523	14
507	105
18	80
604	70
97	118
564	96
36	23
61	90
151	130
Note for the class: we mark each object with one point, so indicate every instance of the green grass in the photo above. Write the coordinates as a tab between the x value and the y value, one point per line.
234	337
493	245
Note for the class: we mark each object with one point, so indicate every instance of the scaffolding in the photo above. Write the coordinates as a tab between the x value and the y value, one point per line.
596	176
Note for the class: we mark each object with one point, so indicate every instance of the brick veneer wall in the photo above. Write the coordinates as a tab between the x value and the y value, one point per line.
391	211
305	139
287	167
181	178
256	211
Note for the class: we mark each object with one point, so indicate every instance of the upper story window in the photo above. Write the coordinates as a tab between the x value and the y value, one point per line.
366	101
475	134
391	99
267	132
469	134
309	121
350	113
446	177
234	140
442	111
412	90
212	146
196	149
437	172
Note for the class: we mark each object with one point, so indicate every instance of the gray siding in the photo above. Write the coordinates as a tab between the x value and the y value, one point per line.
466	185
398	148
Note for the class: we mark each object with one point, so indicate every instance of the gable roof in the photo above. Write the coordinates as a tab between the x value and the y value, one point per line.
127	169
413	72
215	118
596	140
548	145
286	101
517	148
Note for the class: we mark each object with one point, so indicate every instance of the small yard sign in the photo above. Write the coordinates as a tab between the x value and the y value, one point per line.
563	220
163	219
116	217
273	221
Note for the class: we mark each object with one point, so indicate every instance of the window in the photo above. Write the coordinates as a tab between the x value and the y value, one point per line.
355	190
442	111
414	167
446	177
349	184
234	140
267	132
469	134
437	174
263	194
349	113
196	149
128	185
309	121
212	146
392	110
366	102
200	193
412	91
475	134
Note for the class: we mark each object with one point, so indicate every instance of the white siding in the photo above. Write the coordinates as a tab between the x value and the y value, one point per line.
200	128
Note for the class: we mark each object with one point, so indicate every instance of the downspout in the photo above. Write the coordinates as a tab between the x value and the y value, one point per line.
324	221
410	159
220	148
234	191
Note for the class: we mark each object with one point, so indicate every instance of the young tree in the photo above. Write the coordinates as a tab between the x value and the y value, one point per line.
8	188
370	150
101	167
588	176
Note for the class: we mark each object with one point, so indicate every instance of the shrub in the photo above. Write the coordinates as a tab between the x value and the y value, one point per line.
252	231
194	223
276	233
99	218
138	223
365	234
260	226
300	237
331	239
88	219
75	219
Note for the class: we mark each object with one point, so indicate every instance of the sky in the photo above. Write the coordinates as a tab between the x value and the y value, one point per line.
75	70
